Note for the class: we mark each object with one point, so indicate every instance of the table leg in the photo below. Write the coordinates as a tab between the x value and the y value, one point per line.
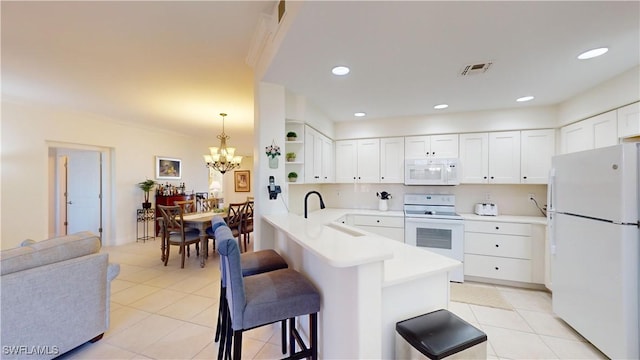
203	247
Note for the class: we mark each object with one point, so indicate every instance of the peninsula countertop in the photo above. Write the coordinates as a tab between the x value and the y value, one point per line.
342	245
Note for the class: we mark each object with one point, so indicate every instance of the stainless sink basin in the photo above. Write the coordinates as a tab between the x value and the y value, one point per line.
344	229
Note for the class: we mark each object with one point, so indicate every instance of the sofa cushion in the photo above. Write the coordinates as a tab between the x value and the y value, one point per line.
48	252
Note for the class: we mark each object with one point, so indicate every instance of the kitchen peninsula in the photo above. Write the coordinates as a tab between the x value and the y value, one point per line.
368	282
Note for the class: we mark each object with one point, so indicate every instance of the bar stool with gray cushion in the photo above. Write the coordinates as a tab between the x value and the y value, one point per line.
252	263
266	298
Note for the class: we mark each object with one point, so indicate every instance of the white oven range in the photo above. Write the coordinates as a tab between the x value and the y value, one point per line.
431	222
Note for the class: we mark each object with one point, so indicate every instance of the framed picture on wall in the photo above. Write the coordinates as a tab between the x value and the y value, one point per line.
168	168
242	180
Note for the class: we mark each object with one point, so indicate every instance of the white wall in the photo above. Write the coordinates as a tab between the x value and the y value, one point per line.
614	93
27	130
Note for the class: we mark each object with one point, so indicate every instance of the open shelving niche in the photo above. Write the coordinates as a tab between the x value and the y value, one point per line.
297	147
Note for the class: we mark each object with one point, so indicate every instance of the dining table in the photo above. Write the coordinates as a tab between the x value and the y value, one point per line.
200	221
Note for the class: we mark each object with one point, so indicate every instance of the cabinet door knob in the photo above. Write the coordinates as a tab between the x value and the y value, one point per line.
485	178
383	178
497	268
492	177
497	245
524	177
377	221
497	227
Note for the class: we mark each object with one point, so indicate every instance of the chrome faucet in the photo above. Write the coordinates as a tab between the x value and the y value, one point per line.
305	201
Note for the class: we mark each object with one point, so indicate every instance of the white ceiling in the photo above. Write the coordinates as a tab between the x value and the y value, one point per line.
176	65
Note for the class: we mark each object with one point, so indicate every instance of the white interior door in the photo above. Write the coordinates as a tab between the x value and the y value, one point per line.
83	192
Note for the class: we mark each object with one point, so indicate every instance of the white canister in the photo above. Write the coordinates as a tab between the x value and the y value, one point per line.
382	205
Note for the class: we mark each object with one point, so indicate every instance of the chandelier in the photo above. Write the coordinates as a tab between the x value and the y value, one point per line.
221	158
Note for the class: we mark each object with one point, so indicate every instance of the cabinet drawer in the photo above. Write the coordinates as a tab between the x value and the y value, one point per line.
498	227
498	268
387	221
512	246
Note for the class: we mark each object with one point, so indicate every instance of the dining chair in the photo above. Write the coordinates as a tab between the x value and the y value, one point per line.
188	206
209	204
234	219
247	224
264	299
175	233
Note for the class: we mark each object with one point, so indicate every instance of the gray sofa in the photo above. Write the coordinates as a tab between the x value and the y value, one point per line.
54	296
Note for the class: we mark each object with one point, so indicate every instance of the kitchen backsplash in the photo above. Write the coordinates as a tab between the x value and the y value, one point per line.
511	199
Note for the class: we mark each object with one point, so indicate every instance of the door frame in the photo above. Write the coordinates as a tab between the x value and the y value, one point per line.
108	191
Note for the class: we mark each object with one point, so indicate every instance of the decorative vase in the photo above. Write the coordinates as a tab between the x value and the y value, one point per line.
273	162
146	205
293	179
291	138
291	159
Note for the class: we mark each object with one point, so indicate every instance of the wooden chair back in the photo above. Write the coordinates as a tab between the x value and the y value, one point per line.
209	204
235	215
188	206
172	221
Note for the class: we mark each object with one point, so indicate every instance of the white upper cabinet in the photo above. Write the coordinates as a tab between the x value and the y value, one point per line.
474	158
537	149
629	120
328	160
357	161
592	133
504	157
439	146
318	157
490	158
392	160
605	129
576	137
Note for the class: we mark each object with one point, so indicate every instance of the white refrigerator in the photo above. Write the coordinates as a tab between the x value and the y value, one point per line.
594	245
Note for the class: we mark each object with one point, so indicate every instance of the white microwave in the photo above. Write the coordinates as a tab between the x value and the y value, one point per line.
444	171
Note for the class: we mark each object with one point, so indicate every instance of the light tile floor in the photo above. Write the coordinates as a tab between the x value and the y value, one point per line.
160	312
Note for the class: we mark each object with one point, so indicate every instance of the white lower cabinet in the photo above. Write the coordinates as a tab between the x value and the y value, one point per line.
391	227
504	251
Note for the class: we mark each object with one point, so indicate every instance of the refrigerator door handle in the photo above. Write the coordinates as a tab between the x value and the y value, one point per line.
551	191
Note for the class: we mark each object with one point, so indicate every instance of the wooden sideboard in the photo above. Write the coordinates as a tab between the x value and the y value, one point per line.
168	200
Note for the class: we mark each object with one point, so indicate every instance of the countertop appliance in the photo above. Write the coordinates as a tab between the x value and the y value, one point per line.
486	209
594	235
443	171
431	222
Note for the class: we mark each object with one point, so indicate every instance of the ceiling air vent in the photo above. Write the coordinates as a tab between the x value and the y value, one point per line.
474	69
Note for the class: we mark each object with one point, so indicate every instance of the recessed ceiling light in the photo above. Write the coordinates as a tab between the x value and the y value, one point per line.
340	70
525	98
359	114
592	53
441	106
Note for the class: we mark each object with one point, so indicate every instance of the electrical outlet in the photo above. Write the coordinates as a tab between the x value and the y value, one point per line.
487	197
531	197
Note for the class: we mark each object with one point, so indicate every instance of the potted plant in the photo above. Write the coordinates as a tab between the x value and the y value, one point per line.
293	176
292	136
146	186
291	156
